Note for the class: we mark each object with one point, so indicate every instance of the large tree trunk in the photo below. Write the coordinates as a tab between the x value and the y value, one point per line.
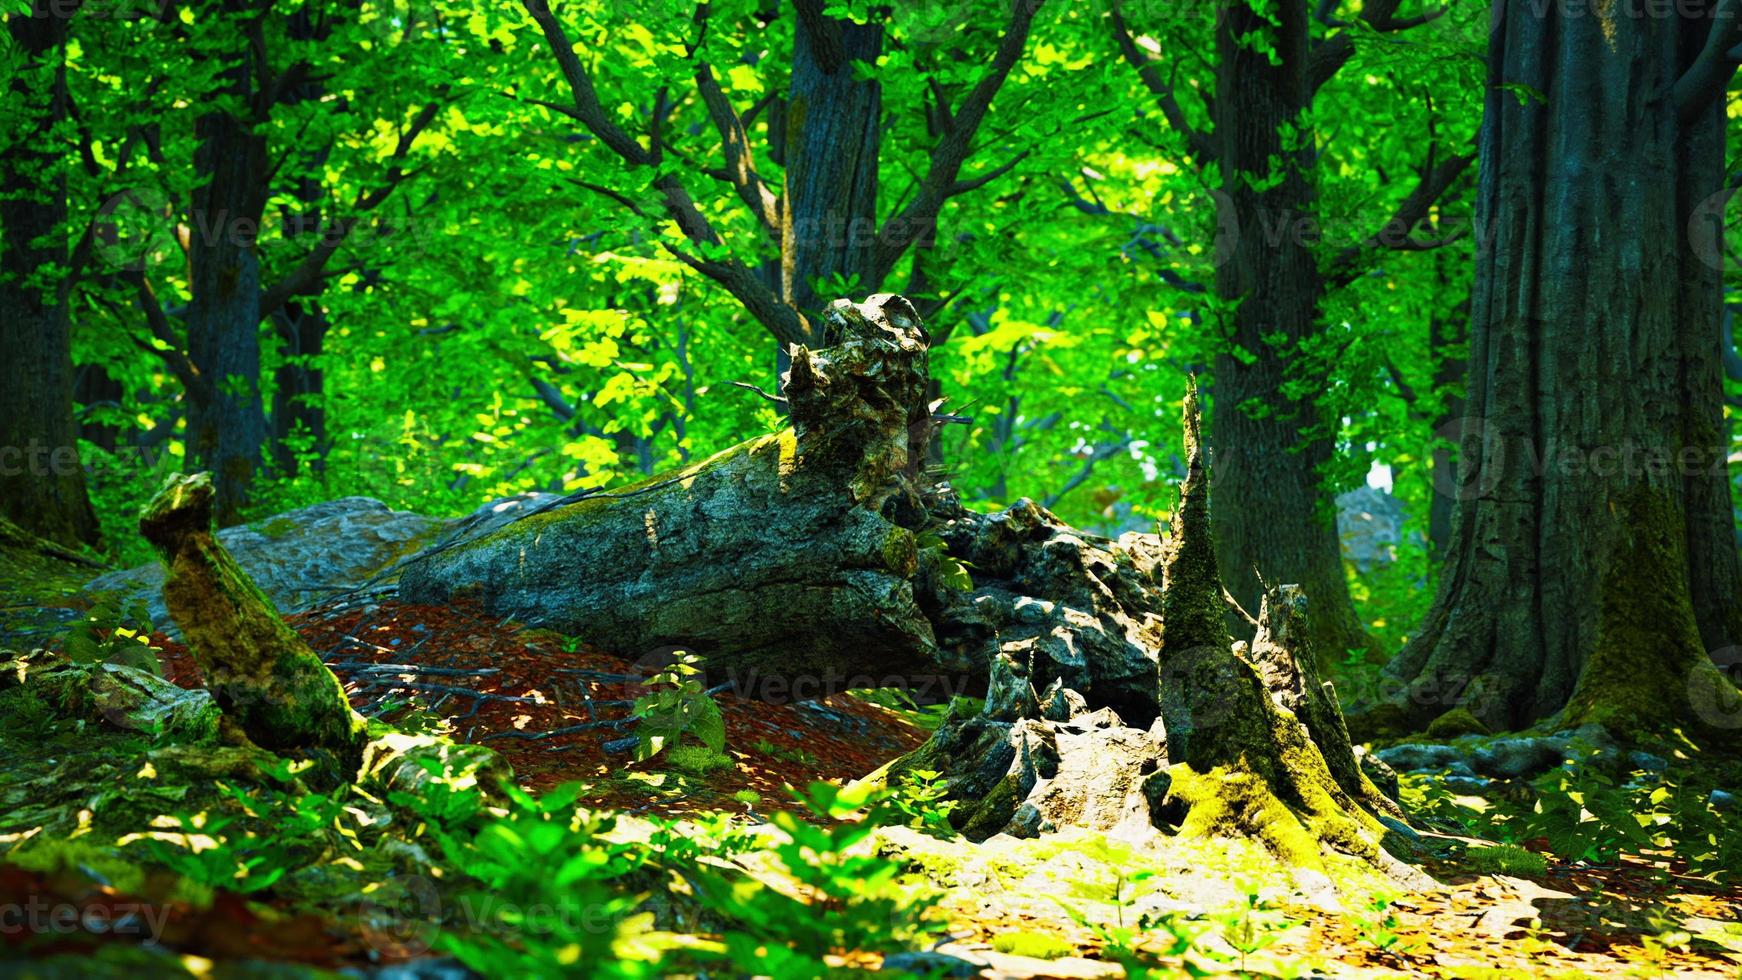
226	423
1276	519
42	484
819	558
1593	561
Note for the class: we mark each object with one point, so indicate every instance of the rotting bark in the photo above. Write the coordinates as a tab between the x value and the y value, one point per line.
266	681
1115	698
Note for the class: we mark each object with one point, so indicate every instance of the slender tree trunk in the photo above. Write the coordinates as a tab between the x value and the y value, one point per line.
833	138
1592	561
42	484
227	430
1446	333
1276	520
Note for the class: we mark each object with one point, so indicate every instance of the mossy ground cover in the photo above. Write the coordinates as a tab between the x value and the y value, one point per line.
1080	903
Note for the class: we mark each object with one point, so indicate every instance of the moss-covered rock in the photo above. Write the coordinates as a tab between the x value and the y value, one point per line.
1454	723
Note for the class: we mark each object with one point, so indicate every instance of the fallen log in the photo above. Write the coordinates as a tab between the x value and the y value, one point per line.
1115	698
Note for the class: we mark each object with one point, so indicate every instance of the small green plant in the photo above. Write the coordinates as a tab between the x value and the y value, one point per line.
697	760
1036	945
1251	926
223	851
677	705
1379	926
748	797
796	756
921	799
110	634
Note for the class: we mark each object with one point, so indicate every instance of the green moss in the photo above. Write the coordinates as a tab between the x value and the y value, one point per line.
1037	945
1507	859
1649	672
988	816
1456	722
1227	802
697	760
277	527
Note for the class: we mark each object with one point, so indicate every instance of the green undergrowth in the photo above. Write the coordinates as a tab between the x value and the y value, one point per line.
1598	809
433	854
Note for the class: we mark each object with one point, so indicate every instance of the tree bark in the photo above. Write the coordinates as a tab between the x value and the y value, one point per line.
819	558
42	484
1593	559
834	122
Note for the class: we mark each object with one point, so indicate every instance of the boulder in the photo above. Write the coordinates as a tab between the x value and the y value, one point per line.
300	557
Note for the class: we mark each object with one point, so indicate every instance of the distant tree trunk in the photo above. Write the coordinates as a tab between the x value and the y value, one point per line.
1593	561
227	429
834	122
1275	518
42	484
298	388
1446	333
94	387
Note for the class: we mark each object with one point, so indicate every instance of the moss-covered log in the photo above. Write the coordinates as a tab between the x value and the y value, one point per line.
266	681
788	561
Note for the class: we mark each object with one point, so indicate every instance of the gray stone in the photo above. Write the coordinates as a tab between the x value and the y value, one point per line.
1647	761
298	558
1382	775
1722	801
1370	524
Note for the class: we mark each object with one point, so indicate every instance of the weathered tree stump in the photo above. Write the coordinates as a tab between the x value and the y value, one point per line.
1114	695
266	681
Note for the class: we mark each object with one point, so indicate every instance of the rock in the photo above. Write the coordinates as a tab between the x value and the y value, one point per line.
299	557
1417	757
1521	757
134	700
1382	775
1721	801
1370	524
1647	761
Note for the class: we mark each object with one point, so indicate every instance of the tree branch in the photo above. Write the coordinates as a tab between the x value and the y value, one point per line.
784	322
1704	82
1432	185
919	218
1148	67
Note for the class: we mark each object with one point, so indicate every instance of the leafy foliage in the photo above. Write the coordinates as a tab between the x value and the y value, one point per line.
677	705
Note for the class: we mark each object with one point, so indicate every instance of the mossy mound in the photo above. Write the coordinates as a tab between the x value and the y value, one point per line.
1456	722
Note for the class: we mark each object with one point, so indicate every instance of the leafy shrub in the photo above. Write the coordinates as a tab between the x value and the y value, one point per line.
677	705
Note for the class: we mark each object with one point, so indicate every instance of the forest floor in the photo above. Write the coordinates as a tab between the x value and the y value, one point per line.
559	712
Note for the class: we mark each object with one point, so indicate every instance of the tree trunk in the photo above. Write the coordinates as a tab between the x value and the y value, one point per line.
227	428
818	558
834	122
42	484
1276	520
1593	561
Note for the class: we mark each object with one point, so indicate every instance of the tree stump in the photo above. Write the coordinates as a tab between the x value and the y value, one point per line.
266	681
